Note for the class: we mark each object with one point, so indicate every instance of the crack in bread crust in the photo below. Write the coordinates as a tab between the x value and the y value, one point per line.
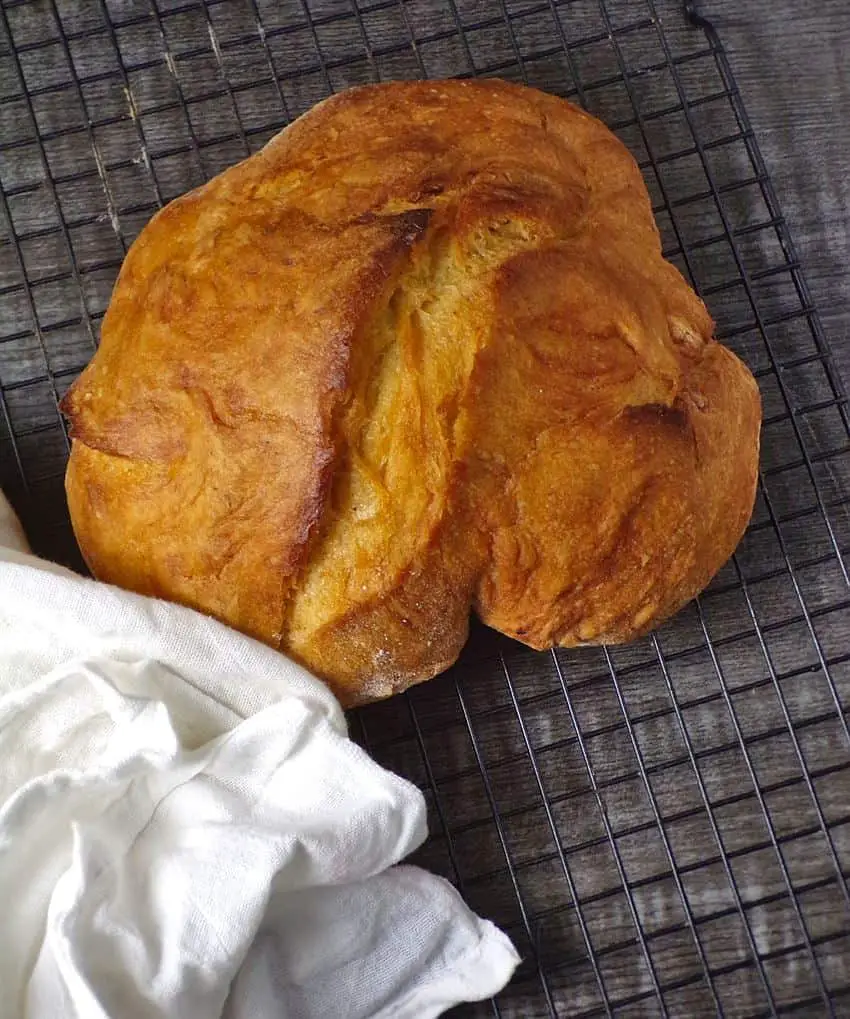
398	451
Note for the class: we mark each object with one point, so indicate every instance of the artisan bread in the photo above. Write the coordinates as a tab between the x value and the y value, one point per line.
420	355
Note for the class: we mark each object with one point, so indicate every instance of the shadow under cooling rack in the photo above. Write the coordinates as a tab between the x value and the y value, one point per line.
663	828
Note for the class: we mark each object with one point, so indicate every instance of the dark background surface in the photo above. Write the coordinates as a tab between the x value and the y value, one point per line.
664	826
792	62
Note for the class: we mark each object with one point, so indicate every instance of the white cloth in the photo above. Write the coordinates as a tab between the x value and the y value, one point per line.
186	830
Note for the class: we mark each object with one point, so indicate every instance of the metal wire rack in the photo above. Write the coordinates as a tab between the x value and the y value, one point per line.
663	828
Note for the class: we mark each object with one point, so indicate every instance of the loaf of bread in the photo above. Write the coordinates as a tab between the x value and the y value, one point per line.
421	355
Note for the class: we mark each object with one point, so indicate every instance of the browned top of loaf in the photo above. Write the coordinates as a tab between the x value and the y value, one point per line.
420	353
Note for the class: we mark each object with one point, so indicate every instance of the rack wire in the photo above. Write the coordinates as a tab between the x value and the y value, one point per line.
663	828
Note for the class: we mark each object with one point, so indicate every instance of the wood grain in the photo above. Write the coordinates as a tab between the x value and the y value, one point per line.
792	66
674	814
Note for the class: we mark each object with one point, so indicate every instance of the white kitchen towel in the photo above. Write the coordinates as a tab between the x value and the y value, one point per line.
187	831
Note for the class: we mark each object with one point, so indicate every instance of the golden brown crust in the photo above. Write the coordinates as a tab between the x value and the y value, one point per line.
420	353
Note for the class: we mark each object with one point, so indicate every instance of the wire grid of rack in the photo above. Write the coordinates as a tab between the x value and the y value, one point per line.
663	828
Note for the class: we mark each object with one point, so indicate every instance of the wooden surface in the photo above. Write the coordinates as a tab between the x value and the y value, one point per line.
792	63
664	822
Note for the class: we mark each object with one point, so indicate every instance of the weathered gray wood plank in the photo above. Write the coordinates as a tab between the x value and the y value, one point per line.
792	63
708	678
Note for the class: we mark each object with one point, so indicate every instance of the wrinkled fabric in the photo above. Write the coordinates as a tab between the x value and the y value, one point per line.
187	831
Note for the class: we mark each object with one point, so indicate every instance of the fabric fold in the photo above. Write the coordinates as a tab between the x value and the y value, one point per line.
186	829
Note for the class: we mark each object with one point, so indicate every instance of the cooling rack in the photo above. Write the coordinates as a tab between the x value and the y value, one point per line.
663	828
